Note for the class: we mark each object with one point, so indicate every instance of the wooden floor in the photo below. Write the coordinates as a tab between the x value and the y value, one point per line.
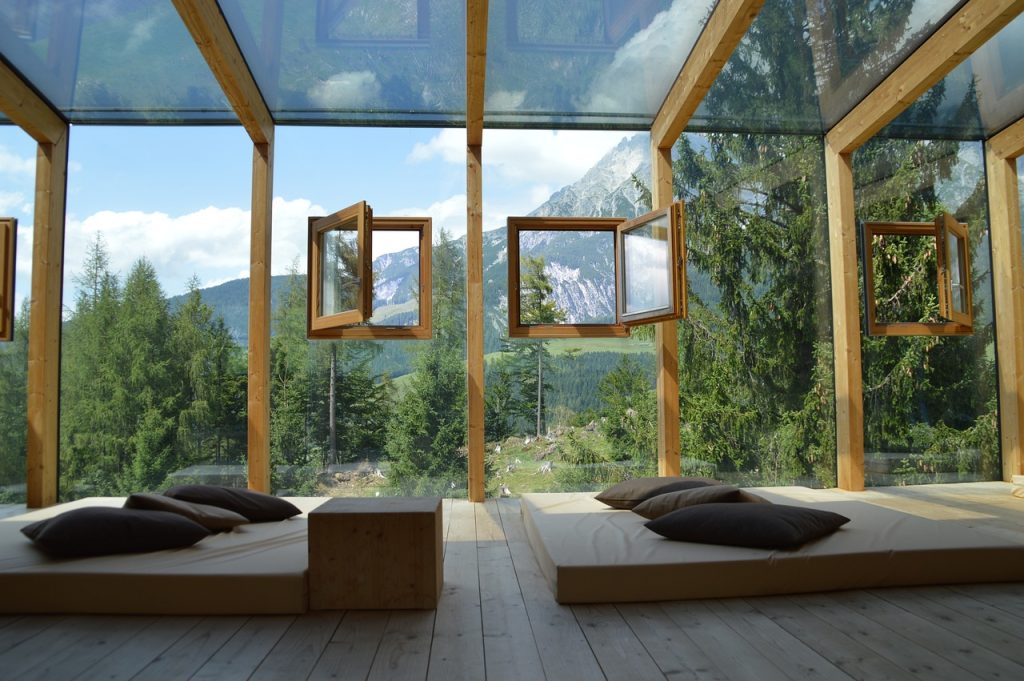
498	620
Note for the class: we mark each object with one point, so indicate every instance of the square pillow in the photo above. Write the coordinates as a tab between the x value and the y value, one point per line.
762	526
660	504
629	493
256	506
100	531
213	518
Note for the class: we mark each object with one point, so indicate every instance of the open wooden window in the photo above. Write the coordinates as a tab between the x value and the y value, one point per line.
395	303
594	277
917	278
8	242
340	268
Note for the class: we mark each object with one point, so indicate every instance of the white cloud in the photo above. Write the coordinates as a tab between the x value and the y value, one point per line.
11	200
12	164
141	33
555	158
346	89
449	214
642	70
291	230
505	100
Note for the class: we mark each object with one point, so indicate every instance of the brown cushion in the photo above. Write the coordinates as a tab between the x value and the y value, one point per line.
765	526
213	518
659	505
256	506
99	531
629	493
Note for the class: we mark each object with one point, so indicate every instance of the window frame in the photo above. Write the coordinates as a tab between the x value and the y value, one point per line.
362	214
516	225
424	329
945	225
8	247
932	230
676	309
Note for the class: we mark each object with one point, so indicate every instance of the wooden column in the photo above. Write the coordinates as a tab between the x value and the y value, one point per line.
476	66
475	321
666	343
842	237
45	323
259	317
1008	285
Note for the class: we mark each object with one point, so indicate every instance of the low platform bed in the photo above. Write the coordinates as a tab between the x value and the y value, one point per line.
257	568
590	553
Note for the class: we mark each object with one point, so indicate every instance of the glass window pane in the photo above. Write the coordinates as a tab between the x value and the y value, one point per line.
396	261
954	249
339	267
905	277
647	279
930	402
575	267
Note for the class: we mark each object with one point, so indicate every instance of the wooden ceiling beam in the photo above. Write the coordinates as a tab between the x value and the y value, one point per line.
967	30
27	109
725	28
213	36
476	69
1008	143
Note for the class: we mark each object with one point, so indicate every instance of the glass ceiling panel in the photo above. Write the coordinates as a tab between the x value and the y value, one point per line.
112	60
804	64
586	63
383	62
978	98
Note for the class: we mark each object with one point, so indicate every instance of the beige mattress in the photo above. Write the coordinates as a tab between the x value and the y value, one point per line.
255	569
590	553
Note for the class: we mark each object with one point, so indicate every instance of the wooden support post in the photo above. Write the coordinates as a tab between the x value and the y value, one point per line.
1008	285
666	343
259	317
842	231
45	323
475	321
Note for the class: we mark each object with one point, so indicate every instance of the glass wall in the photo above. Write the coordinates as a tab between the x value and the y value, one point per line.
357	417
930	402
568	413
153	357
756	387
17	194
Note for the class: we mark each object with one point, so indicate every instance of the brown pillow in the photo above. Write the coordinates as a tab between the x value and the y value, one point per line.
764	526
629	493
659	505
213	518
99	531
256	506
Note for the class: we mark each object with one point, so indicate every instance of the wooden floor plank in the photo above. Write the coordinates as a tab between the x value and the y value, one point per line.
1007	597
729	651
70	646
457	650
676	655
137	652
941	642
621	655
8	619
192	650
888	642
297	651
349	655
24	629
962	606
244	651
509	649
856	660
564	651
404	650
793	658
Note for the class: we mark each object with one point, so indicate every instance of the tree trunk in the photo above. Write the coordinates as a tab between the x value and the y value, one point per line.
331	407
540	386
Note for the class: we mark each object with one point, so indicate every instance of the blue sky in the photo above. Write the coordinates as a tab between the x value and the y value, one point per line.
180	196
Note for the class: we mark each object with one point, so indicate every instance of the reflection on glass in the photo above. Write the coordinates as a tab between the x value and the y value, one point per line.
647	280
567	277
905	272
371	19
339	271
396	263
956	273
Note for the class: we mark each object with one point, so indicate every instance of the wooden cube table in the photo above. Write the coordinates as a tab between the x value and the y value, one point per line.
375	553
